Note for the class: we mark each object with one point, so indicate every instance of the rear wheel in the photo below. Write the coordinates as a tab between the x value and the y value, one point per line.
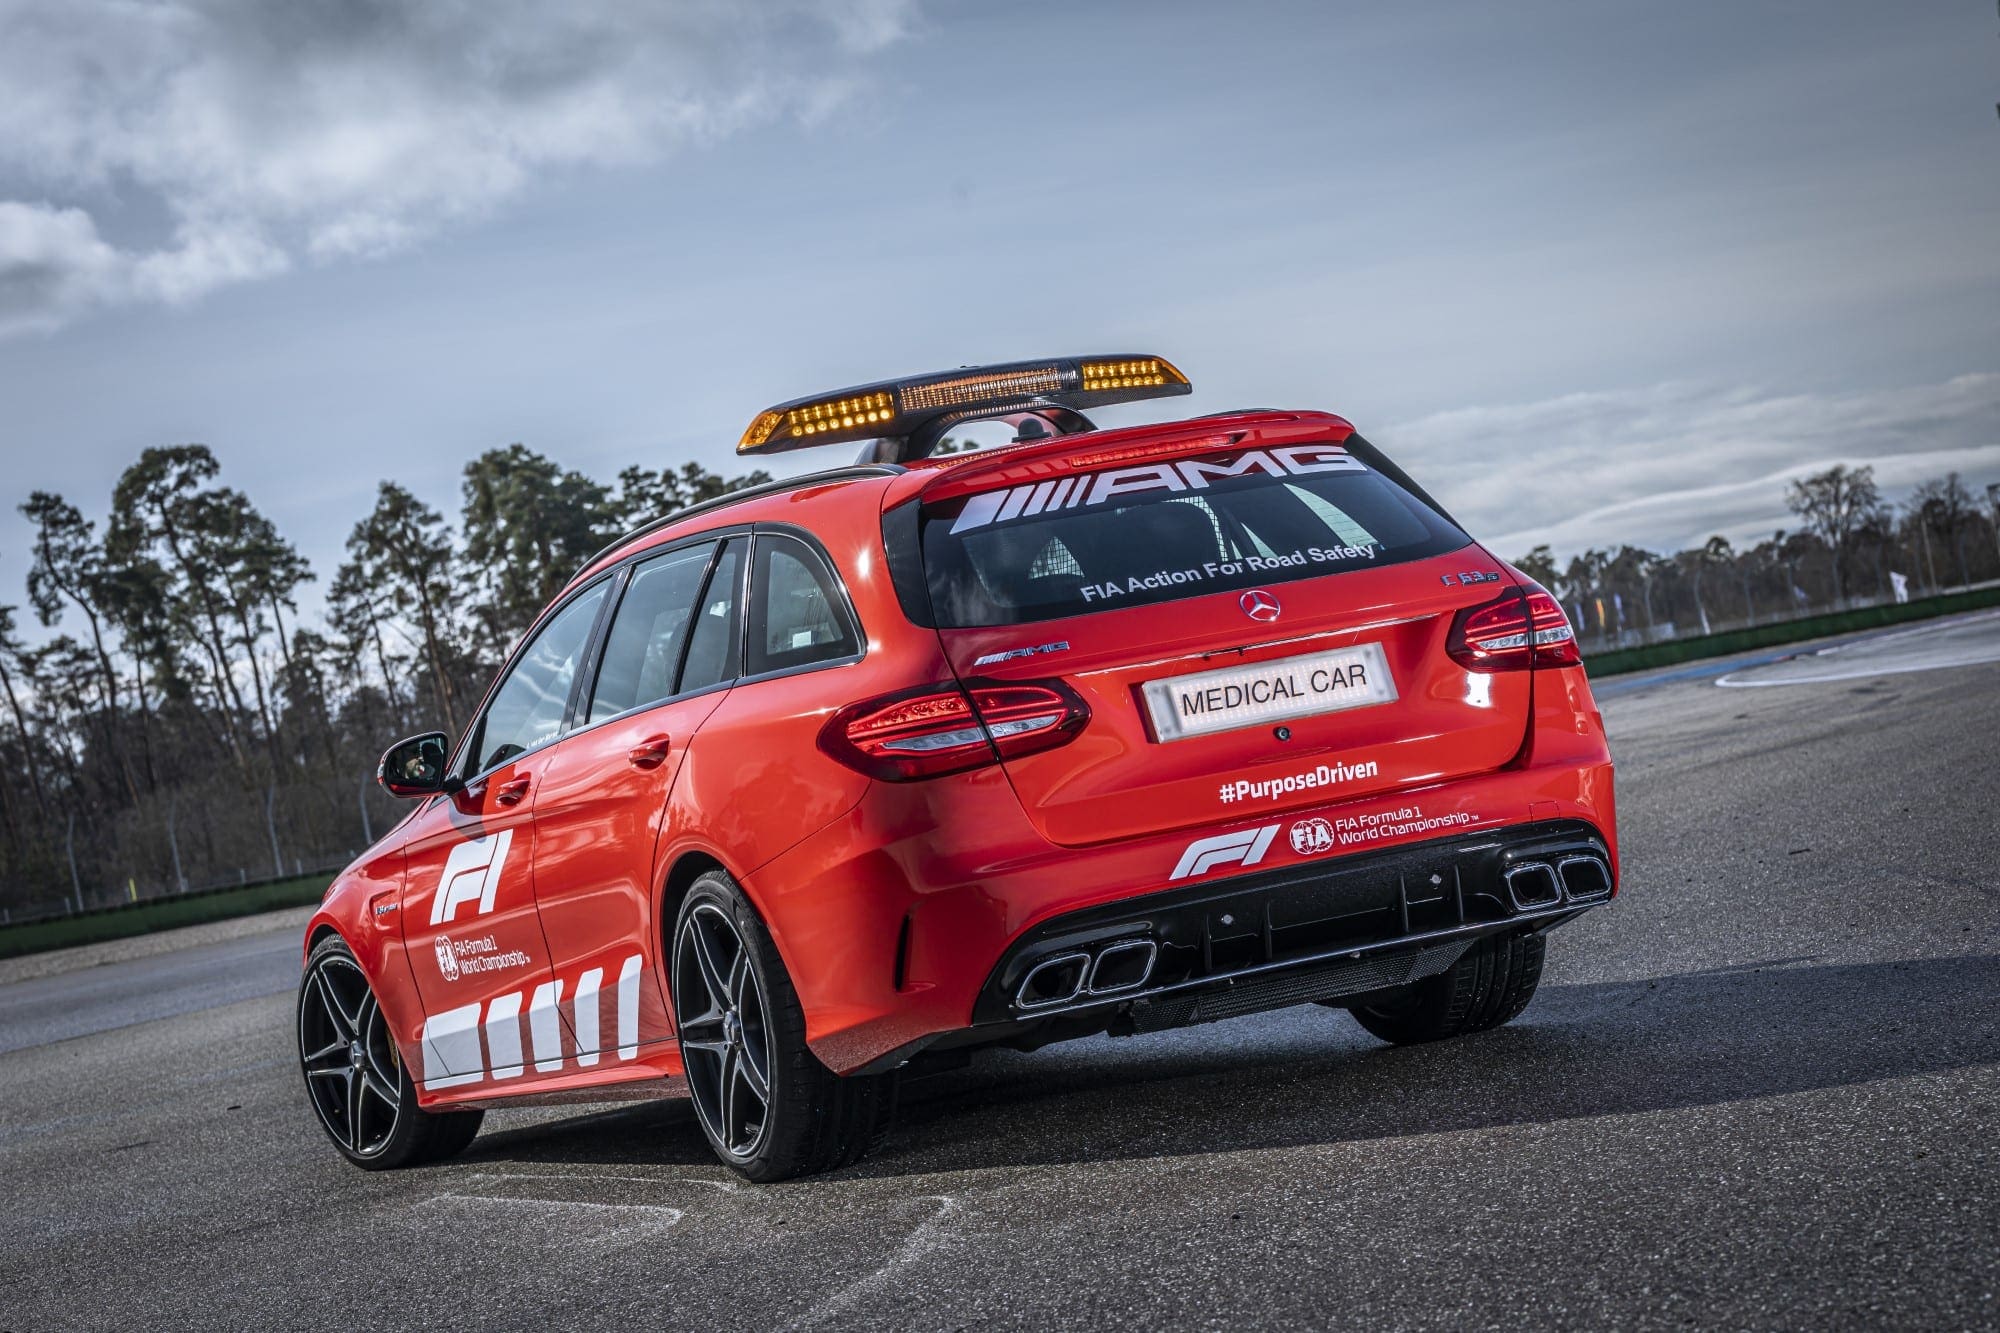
766	1104
1489	986
364	1098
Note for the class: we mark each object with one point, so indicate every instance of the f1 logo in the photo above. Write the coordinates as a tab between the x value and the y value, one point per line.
471	874
1204	854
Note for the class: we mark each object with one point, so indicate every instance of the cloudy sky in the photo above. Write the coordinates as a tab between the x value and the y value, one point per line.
1595	272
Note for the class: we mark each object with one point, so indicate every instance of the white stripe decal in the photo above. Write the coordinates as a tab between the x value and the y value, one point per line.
979	510
503	1035
1016	497
451	1048
545	1027
1044	492
628	1008
585	1009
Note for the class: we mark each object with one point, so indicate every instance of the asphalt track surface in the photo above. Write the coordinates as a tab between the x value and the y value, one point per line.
1760	1089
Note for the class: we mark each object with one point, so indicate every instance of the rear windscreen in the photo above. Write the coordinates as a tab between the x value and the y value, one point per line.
1129	536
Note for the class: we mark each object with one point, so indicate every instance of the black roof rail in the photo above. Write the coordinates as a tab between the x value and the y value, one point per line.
852	473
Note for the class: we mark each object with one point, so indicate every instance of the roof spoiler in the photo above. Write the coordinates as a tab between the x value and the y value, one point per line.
905	418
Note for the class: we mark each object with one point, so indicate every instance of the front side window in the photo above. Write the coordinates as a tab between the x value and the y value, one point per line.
798	615
642	653
528	708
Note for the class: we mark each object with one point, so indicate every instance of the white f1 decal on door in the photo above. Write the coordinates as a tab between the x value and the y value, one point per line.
471	874
1204	854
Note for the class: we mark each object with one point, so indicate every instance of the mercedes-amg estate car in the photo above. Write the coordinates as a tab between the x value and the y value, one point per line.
833	780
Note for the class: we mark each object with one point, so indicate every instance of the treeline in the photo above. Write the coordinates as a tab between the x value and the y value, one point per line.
183	727
1850	547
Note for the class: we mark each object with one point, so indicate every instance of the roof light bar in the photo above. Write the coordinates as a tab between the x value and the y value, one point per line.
919	407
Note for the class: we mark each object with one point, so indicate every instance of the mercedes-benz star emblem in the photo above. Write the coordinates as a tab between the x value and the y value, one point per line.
1259	605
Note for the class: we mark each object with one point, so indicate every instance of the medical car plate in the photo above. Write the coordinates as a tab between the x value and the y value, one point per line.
1246	696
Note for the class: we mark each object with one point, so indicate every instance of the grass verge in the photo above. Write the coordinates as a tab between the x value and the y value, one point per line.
162	914
1791	631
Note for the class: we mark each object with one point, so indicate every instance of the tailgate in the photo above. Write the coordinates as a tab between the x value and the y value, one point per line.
1253	630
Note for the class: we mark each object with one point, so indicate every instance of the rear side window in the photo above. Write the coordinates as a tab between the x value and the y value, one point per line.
798	612
1182	527
642	653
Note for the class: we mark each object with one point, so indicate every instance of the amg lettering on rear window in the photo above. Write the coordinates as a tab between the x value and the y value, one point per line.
1187	474
1162	531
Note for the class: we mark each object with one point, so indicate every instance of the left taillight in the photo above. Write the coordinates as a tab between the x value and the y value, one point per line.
1522	628
949	728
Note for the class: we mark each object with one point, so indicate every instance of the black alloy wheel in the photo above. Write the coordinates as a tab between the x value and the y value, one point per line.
767	1106
352	1070
355	1078
725	1041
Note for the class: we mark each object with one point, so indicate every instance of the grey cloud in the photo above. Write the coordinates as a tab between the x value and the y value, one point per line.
275	133
1669	465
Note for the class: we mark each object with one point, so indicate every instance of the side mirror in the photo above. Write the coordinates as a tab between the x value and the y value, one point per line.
415	767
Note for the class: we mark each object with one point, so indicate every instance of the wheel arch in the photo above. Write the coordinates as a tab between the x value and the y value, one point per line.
689	865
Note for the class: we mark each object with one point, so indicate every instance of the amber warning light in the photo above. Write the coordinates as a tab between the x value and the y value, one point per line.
920	404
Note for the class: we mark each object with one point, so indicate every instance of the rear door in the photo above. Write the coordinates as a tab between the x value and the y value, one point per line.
670	654
1254	629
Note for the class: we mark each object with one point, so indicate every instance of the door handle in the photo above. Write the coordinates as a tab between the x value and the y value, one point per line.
512	790
651	752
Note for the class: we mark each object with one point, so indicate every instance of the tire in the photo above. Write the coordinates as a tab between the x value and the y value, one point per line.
768	1108
1487	987
357	1085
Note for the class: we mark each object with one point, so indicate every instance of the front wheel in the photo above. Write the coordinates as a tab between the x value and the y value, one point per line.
766	1104
1490	985
360	1090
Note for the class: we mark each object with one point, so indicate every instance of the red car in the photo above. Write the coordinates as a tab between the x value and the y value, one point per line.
851	774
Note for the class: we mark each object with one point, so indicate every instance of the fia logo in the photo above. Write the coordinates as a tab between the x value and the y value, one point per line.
1312	836
447	960
471	874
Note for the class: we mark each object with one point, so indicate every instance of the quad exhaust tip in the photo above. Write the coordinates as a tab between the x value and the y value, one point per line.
1053	981
1123	965
1533	884
1585	879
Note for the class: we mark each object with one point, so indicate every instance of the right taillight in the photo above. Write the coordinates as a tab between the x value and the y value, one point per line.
1522	628
949	728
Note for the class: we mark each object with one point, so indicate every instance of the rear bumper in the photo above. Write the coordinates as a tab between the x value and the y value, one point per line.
911	924
1307	932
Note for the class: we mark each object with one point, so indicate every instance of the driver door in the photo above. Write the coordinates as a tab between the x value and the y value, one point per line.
470	921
